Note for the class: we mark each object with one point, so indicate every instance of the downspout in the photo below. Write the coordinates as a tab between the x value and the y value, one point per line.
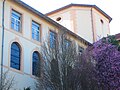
92	25
2	50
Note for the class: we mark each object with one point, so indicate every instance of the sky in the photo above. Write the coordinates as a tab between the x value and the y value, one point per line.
110	7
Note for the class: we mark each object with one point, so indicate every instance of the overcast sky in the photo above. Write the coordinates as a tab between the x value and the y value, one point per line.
111	7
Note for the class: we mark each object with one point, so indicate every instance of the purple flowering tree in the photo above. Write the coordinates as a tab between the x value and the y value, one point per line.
106	58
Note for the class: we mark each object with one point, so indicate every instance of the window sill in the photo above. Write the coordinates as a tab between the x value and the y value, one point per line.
16	32
15	70
36	42
35	77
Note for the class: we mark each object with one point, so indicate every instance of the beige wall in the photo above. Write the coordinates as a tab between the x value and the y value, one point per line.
102	29
65	18
84	24
79	20
84	21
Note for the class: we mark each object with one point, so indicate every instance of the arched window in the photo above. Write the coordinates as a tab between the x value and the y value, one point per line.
15	56
36	64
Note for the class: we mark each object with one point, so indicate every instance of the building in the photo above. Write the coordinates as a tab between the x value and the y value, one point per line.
87	21
24	32
25	29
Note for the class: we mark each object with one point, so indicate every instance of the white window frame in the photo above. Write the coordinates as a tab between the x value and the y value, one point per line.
35	31
16	20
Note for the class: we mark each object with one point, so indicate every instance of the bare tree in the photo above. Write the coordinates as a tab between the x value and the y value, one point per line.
58	65
7	81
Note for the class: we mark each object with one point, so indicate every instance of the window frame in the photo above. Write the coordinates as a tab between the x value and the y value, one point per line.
20	28
80	50
33	73
56	38
37	30
67	47
20	54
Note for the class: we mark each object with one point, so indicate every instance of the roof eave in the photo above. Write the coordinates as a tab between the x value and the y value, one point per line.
101	11
81	5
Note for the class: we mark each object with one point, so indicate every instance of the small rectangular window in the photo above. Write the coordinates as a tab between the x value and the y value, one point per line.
80	50
53	36
67	43
35	31
16	21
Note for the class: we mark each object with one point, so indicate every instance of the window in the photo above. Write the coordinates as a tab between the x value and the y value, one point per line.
58	19
80	50
101	21
16	21
67	43
36	64
35	31
52	39
15	56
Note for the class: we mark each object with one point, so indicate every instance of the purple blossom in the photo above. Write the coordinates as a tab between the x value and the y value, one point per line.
107	68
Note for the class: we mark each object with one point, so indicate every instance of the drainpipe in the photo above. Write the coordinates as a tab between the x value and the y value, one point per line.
3	6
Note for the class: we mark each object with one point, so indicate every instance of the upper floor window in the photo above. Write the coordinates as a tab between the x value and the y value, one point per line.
80	50
58	19
36	64
16	21
101	21
15	56
52	39
35	31
67	43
